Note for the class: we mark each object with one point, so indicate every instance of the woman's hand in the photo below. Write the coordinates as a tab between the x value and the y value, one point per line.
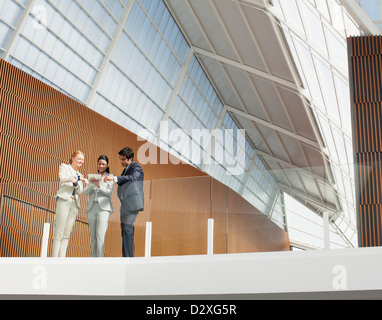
95	181
73	180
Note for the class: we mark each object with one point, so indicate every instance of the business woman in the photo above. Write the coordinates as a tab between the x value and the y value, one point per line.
99	207
68	203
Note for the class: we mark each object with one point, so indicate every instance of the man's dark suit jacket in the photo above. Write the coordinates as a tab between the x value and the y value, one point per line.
130	188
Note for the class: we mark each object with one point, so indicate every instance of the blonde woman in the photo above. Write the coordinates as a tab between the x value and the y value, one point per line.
71	185
99	207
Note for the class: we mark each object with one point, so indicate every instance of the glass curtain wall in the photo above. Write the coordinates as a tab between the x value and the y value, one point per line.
316	32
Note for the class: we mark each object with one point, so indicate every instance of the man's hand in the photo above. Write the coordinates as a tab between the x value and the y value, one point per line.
108	178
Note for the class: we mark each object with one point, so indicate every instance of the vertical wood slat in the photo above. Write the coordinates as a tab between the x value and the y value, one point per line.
365	61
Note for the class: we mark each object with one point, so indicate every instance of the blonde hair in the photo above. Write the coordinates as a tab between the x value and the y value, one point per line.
75	154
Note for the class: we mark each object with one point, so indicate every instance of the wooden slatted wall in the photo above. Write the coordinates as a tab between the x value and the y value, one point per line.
365	68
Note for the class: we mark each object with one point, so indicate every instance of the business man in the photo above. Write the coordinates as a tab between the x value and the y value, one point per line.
130	193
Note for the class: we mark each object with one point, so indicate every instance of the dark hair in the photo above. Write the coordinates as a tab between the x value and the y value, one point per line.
103	157
127	152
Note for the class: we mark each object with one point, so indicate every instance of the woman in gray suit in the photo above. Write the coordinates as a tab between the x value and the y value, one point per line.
68	203
99	207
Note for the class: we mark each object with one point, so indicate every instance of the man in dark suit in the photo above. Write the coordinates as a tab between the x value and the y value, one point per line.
130	193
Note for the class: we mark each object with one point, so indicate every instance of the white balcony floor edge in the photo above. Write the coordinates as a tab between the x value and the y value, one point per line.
343	273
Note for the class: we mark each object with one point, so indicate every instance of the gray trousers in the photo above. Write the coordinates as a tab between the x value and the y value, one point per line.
127	229
98	221
64	220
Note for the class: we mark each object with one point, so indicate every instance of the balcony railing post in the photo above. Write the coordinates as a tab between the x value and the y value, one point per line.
148	239
45	238
210	237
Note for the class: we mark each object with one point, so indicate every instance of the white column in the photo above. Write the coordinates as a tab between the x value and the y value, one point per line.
45	237
210	237
325	216
148	239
